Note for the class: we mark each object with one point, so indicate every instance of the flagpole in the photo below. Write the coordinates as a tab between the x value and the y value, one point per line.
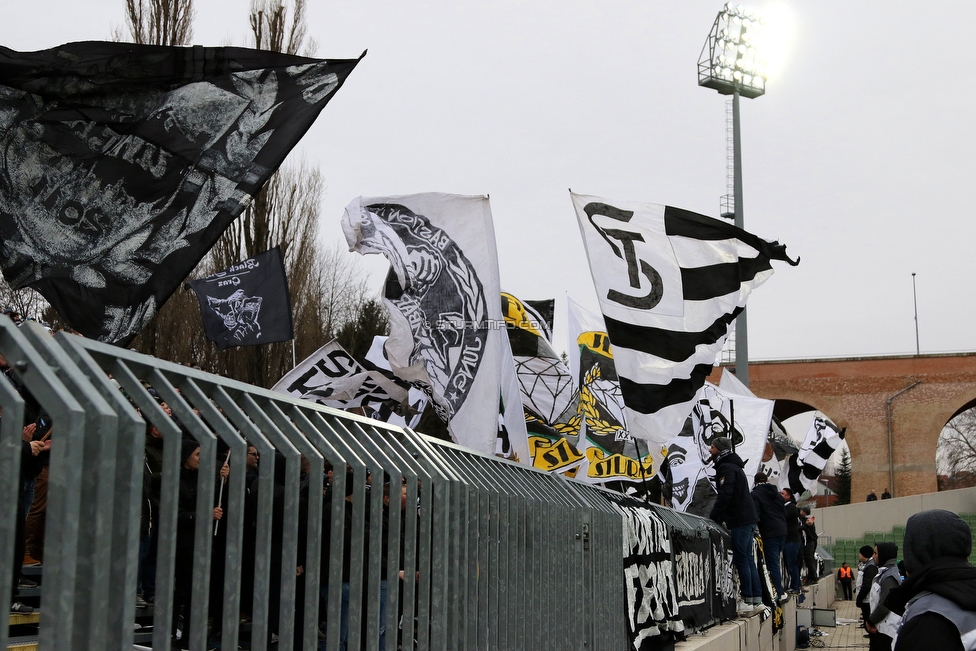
918	349
293	365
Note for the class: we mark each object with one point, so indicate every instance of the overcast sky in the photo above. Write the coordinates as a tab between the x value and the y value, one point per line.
860	157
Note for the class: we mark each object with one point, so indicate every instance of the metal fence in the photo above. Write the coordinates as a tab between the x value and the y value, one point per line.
494	555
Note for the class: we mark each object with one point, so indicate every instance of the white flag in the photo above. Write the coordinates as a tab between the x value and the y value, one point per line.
447	332
330	376
669	282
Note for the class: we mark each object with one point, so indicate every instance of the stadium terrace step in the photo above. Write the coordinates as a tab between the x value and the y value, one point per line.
23	643
17	620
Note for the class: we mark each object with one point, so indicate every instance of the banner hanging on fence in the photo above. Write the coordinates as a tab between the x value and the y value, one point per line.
246	304
123	164
442	291
650	591
693	577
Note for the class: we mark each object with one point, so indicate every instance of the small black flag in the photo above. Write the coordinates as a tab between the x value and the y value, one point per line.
246	304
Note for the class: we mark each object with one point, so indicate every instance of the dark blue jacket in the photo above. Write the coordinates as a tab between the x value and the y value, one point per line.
772	511
734	505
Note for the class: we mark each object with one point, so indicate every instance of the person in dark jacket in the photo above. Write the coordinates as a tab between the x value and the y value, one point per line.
937	601
772	527
882	623
809	528
866	571
794	540
734	508
185	529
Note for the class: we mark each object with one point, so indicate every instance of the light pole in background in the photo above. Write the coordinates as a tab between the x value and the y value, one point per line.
729	63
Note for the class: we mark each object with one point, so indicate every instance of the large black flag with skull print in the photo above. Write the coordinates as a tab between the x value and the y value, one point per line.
121	165
246	304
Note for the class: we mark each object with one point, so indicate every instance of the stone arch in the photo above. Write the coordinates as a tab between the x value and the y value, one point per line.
854	392
961	481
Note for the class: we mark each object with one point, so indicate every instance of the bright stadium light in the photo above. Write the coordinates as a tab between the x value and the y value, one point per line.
732	44
732	64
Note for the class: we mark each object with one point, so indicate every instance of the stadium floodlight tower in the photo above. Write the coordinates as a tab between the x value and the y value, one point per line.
730	64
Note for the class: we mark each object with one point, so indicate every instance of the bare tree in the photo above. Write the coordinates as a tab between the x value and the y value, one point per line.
327	287
956	451
274	30
159	22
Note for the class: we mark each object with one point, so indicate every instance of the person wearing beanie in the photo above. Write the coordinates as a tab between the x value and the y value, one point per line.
866	571
882	624
772	527
938	599
734	508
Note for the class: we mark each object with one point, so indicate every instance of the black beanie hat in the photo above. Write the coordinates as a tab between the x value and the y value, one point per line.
189	445
722	443
935	534
886	552
867	551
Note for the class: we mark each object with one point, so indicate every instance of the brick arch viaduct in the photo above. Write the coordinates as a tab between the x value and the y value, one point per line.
855	393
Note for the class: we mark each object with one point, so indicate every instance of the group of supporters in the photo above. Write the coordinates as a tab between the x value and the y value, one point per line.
32	499
927	600
933	608
190	467
788	535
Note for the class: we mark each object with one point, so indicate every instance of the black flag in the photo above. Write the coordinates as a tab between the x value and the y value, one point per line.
121	165
246	304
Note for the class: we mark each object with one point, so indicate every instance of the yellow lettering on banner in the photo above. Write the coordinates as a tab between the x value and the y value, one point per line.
516	315
598	342
603	466
552	455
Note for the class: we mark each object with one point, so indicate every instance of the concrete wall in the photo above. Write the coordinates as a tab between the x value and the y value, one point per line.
853	520
747	634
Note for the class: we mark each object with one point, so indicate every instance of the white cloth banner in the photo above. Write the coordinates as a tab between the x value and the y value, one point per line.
712	416
447	332
406	414
330	376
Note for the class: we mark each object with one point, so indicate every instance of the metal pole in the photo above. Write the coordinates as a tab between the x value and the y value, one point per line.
741	331
918	350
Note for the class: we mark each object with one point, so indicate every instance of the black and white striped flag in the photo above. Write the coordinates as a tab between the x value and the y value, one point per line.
670	282
804	467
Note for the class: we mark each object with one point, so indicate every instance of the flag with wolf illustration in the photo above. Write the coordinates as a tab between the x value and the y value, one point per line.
447	334
122	165
246	304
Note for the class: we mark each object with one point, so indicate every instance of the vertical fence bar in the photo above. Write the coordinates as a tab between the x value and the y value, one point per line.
11	444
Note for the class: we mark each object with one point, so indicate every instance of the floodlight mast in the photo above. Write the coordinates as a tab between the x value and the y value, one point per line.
729	63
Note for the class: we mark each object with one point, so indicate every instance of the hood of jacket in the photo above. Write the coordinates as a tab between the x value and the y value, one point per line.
952	578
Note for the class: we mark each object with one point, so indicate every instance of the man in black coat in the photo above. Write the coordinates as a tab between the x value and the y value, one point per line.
794	540
734	507
809	528
938	599
866	572
772	527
